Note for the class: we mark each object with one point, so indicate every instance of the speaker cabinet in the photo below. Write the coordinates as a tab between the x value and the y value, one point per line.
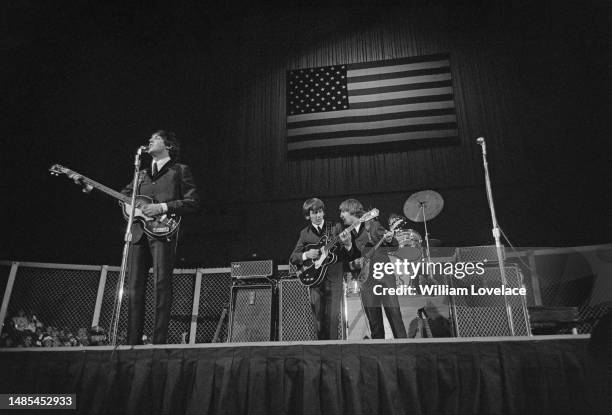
251	313
296	321
486	315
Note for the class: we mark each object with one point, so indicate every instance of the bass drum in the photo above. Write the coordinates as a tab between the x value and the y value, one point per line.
409	237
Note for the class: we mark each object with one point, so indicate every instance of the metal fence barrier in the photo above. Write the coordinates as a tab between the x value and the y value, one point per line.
81	296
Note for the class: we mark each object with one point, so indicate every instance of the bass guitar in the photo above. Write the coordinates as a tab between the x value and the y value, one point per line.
160	226
312	271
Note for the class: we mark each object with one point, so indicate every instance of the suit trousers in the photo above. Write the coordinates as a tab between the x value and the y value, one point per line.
326	302
372	304
142	255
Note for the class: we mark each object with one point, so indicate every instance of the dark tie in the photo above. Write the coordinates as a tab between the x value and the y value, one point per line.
154	169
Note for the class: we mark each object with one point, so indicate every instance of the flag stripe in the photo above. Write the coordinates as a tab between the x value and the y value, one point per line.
396	88
401	101
374	139
322	117
414	82
392	75
373	132
358	70
401	94
371	125
372	116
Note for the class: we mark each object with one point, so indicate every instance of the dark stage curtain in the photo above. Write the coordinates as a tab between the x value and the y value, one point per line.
524	377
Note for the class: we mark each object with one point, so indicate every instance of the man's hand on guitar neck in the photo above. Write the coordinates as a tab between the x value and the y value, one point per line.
78	179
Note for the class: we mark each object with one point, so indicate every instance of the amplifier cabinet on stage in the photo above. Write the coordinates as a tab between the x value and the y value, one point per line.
251	313
296	321
252	269
483	253
485	315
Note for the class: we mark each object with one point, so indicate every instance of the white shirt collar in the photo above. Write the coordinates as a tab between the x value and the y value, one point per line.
319	226
160	163
357	227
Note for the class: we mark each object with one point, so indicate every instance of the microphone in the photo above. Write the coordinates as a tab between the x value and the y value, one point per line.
481	142
141	149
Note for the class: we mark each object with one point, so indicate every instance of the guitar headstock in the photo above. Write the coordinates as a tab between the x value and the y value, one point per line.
369	215
58	169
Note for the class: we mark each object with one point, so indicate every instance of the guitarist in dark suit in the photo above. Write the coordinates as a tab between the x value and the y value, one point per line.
363	239
325	298
171	184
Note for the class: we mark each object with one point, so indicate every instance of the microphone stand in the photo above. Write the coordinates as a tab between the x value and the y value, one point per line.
496	233
127	239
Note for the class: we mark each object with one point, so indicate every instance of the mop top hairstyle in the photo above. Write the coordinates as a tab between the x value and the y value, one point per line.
352	206
171	142
314	205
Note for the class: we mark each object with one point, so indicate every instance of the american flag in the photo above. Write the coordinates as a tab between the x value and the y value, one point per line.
370	104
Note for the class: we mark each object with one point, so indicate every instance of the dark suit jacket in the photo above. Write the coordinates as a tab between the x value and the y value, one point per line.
308	235
173	185
369	234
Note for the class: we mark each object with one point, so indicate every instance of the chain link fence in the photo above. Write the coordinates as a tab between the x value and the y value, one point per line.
68	297
214	298
62	297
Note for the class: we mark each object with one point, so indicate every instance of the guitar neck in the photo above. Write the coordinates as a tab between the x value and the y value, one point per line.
374	248
336	238
105	189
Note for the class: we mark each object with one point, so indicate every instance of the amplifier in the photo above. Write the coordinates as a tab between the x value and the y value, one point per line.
252	269
484	253
251	313
296	321
486	315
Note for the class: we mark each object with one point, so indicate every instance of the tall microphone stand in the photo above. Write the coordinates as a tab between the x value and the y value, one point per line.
127	239
496	233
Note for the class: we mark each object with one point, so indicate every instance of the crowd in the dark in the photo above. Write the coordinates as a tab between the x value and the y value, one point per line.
26	330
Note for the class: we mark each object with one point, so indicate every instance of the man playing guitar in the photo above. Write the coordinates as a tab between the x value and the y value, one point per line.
364	237
326	297
172	185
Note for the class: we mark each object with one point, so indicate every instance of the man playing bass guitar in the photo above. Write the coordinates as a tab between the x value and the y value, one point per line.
325	297
171	184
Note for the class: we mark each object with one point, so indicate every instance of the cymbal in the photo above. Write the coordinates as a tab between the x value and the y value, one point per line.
431	201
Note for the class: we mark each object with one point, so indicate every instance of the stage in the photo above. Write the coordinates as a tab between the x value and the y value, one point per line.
503	375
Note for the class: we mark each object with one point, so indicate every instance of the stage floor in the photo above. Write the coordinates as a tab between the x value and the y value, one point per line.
503	375
306	343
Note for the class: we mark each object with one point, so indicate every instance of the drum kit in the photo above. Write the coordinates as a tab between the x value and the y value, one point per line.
420	207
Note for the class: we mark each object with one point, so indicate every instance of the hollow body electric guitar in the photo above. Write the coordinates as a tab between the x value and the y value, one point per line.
161	226
312	271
